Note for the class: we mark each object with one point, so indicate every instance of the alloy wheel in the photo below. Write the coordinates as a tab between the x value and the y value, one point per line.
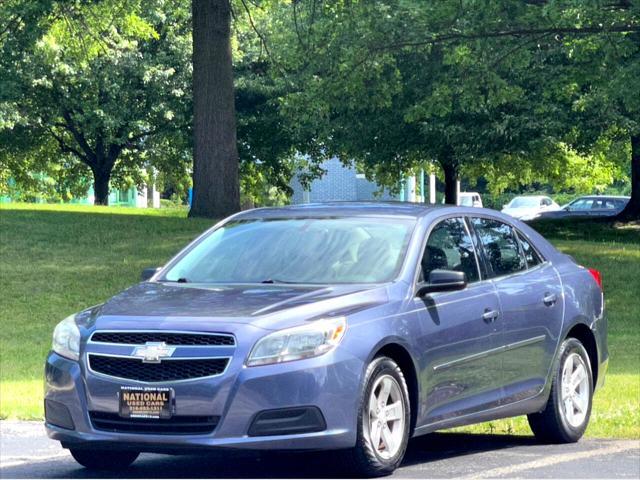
575	390
386	417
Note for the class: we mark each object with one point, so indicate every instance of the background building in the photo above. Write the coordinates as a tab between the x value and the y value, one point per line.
339	183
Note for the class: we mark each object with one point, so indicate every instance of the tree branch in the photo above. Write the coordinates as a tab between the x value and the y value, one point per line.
65	148
9	25
263	40
297	27
140	135
519	46
511	33
77	135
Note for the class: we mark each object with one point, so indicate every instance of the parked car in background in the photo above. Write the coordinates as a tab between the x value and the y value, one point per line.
470	199
591	205
529	207
349	326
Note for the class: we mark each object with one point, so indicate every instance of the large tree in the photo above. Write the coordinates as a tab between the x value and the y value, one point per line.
605	73
105	81
216	191
393	84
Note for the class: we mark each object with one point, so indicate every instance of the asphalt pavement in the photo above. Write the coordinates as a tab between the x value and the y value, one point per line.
26	452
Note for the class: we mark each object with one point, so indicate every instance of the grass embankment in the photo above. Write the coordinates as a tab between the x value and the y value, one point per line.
56	260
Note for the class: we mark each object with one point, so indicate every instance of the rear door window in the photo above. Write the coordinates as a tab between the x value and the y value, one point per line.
531	256
500	245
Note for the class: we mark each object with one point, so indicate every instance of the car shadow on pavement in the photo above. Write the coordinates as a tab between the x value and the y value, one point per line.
440	446
239	464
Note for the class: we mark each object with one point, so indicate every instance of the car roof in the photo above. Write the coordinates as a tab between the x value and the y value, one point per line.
329	209
589	197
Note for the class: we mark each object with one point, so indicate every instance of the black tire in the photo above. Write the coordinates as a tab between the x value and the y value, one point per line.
551	424
104	459
364	459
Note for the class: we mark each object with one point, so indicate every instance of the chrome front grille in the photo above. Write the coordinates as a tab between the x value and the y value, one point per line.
158	356
170	338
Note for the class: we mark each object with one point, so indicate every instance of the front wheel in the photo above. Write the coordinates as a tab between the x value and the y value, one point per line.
566	415
103	459
383	420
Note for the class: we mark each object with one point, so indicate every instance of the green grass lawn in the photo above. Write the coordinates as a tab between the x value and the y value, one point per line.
56	260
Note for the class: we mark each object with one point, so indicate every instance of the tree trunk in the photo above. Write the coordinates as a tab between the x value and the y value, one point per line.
632	210
450	183
101	179
216	190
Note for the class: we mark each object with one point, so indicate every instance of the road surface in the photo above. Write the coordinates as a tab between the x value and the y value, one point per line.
25	451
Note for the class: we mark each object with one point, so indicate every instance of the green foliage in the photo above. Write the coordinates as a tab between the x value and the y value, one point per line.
92	79
515	92
102	83
559	166
472	85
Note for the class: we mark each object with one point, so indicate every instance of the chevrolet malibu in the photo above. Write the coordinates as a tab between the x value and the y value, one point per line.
349	326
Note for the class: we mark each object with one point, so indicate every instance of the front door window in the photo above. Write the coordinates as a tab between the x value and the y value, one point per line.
449	247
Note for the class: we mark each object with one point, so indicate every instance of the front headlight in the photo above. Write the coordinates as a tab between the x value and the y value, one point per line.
297	343
66	338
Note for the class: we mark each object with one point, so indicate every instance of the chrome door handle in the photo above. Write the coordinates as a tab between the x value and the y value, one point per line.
549	299
489	315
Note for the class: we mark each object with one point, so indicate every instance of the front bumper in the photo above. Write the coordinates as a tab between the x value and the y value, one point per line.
330	382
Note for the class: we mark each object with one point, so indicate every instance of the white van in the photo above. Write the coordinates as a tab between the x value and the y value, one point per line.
470	199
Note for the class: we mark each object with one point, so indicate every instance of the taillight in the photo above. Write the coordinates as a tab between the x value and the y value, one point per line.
597	276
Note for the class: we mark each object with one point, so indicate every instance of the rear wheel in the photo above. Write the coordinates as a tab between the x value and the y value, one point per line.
104	459
383	420
566	415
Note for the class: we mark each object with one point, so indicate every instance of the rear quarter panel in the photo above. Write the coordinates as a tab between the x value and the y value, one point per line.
584	304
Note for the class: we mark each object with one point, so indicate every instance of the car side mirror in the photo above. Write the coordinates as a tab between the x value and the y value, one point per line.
442	281
147	273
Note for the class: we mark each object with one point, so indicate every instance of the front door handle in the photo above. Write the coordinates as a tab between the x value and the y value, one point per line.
549	299
489	315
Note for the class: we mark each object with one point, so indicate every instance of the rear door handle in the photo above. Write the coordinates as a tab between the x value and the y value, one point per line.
489	315
549	299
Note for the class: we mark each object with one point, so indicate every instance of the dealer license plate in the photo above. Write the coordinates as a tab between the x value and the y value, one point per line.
146	402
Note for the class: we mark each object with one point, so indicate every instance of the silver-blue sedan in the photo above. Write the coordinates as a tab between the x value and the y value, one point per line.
348	326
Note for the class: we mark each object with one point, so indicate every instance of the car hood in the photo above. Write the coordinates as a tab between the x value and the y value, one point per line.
265	306
520	212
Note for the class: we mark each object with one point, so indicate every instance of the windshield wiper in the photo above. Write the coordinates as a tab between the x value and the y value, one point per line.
274	280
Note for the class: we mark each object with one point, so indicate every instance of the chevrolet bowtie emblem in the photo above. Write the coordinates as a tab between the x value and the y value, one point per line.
153	352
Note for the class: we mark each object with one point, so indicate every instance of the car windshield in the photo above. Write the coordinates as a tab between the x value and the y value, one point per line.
524	202
466	200
298	250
